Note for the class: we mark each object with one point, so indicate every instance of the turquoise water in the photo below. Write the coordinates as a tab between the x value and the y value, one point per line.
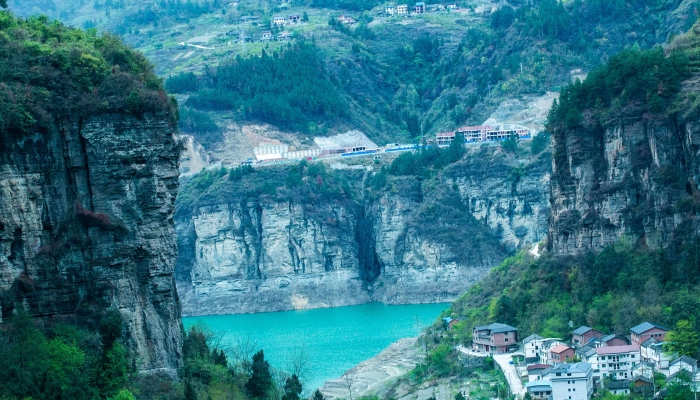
334	339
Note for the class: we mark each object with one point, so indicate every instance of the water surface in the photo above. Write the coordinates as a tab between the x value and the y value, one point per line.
334	339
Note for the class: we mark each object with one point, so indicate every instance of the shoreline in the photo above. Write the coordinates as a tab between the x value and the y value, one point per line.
378	373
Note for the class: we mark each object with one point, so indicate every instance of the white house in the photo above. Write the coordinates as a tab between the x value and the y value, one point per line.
536	372
531	347
545	349
571	381
644	369
651	351
616	362
684	362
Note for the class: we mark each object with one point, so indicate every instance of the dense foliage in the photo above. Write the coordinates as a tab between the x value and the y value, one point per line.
63	361
48	71
645	78
612	291
290	89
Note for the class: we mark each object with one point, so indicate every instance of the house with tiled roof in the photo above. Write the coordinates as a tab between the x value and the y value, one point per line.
647	330
684	362
652	352
494	338
531	347
561	353
613	340
571	381
583	335
539	389
537	371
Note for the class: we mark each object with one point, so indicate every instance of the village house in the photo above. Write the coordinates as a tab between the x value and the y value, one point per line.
652	352
419	8
546	348
284	36
584	334
279	21
682	363
294	19
571	381
644	369
444	138
451	6
494	338
537	371
266	36
531	347
389	10
647	330
616	362
613	340
402	9
619	387
587	354
539	389
561	354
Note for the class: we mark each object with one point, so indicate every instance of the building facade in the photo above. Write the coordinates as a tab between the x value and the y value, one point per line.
647	330
616	362
572	381
494	338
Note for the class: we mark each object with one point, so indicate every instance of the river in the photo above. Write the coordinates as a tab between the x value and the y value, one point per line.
333	339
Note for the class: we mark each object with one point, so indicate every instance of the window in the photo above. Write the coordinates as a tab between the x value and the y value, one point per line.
574	389
506	340
558	373
568	374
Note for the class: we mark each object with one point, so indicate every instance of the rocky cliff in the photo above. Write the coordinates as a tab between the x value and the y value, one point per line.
408	240
628	166
86	226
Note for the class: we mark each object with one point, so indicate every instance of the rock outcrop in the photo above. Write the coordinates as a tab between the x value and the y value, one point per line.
86	228
408	242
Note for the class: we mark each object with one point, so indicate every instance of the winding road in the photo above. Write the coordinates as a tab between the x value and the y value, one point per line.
503	361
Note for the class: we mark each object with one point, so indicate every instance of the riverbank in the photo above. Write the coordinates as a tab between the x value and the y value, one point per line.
378	374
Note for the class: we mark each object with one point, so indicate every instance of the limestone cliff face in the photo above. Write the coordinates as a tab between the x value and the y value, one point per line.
412	241
632	179
86	227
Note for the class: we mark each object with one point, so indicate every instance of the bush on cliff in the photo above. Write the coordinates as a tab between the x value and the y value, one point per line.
50	71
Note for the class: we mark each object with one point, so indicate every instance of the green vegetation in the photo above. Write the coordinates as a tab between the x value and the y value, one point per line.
62	362
290	89
49	71
684	339
611	291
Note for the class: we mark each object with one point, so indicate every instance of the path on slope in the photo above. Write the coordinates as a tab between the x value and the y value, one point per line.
503	360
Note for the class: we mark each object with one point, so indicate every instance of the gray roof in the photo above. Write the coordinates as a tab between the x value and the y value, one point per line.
645	326
581	330
575	367
496	328
586	351
642	364
532	337
684	359
622	384
607	337
649	342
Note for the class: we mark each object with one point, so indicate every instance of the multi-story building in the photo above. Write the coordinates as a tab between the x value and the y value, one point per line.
494	338
540	389
571	381
402	9
584	334
545	352
616	362
419	8
652	352
531	347
561	354
647	330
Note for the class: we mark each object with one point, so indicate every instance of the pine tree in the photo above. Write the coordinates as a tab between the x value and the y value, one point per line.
261	379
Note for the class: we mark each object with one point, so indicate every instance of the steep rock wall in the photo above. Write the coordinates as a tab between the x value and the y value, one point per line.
412	241
86	227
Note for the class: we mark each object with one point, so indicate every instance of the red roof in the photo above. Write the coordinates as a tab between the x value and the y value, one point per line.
617	349
538	366
559	349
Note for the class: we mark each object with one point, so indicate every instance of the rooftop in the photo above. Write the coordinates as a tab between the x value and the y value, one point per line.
496	327
685	360
570	368
560	348
582	330
622	384
645	326
538	383
532	337
649	342
538	366
586	350
617	349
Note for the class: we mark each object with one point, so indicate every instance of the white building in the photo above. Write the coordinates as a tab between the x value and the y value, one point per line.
571	381
544	353
540	389
683	362
616	362
531	347
651	351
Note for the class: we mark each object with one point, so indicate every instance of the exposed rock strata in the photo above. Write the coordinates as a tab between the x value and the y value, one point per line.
396	246
86	227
